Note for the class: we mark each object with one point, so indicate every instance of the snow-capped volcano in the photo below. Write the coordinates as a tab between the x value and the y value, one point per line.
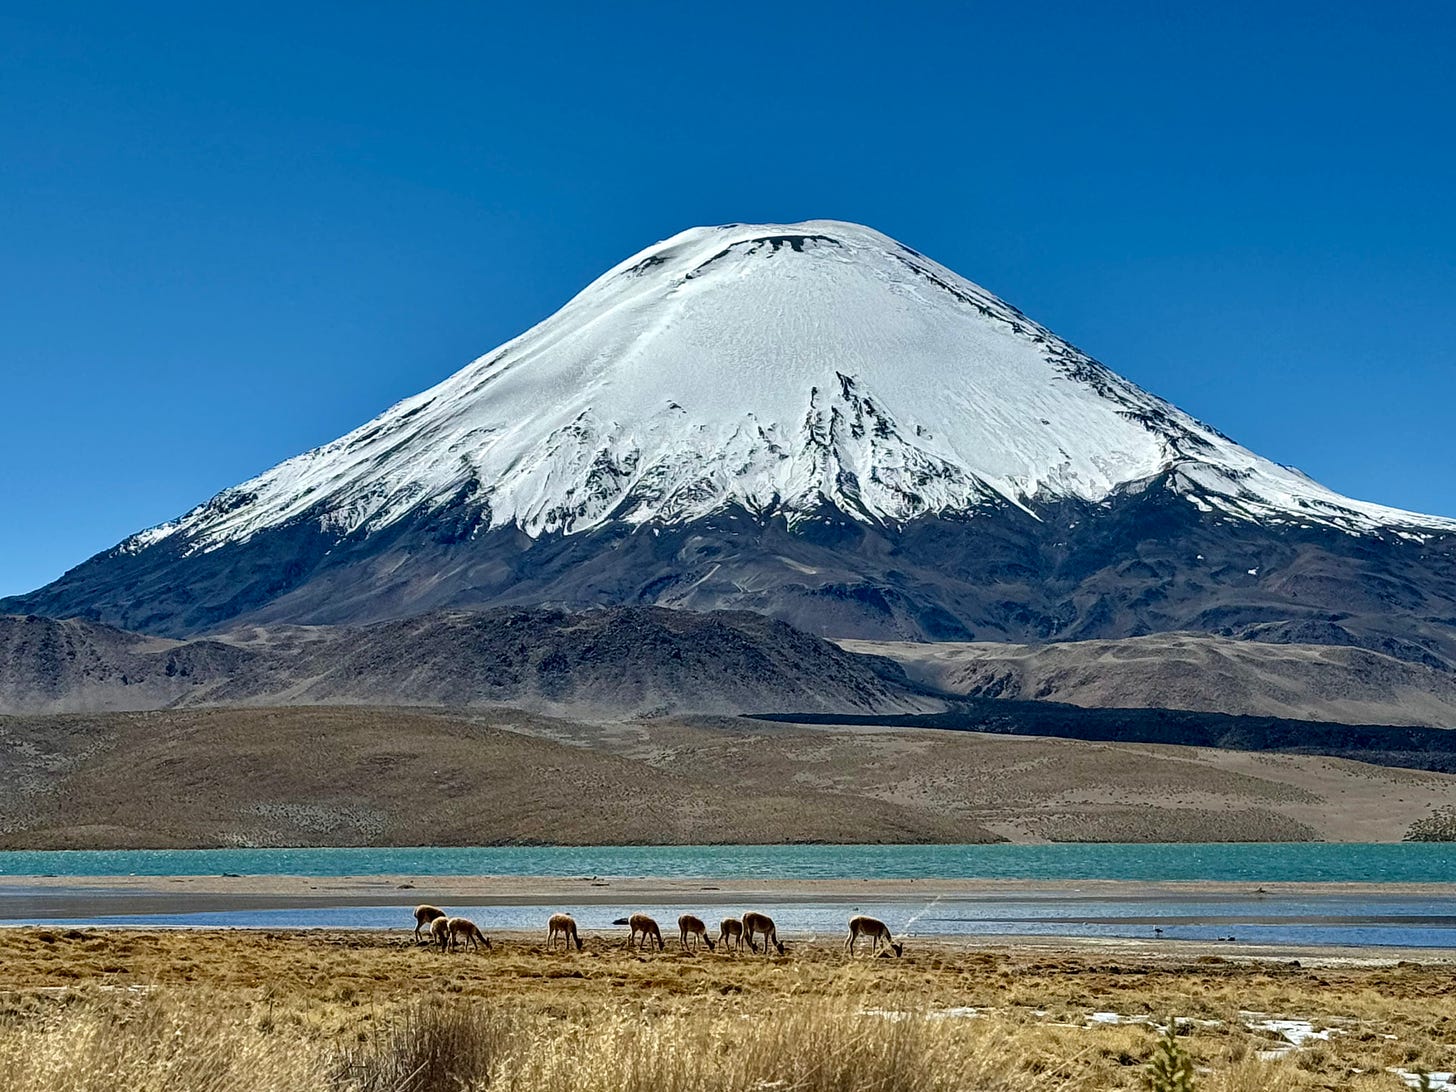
807	420
778	367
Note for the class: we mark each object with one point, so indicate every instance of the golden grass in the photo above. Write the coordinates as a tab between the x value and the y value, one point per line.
86	1011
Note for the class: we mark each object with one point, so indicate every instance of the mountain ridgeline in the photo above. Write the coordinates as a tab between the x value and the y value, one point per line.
810	422
639	665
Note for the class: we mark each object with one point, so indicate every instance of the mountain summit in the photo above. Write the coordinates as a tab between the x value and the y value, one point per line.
779	367
811	420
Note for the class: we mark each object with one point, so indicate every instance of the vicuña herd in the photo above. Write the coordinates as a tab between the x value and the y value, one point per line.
643	932
445	930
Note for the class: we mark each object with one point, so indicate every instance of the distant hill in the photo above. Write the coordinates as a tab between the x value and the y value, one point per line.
617	660
1327	682
369	776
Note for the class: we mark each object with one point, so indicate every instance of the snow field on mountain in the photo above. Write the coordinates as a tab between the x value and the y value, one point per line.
777	367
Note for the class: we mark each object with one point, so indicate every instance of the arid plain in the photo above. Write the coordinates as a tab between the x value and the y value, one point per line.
374	776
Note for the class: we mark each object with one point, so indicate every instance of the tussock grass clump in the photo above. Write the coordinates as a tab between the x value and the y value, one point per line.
452	1046
436	1045
153	1046
802	1047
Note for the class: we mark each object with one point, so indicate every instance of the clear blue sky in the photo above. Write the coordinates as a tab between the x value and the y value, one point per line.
231	232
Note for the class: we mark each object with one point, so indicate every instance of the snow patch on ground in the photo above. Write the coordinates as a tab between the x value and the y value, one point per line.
1290	1035
955	1012
1439	1082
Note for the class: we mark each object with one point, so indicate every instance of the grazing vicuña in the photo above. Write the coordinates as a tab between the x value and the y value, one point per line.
730	934
440	931
691	924
755	923
464	927
641	923
565	925
424	916
875	929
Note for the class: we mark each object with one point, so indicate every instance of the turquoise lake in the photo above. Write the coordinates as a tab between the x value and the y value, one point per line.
1255	863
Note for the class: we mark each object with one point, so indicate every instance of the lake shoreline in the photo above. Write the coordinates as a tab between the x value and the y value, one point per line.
94	896
1105	951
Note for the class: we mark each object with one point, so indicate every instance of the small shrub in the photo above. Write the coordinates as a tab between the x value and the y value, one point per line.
1171	1069
1439	826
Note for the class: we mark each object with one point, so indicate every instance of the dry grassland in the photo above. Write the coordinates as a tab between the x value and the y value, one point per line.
93	1010
408	777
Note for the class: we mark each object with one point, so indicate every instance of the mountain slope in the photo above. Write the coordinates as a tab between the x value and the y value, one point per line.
808	420
1187	671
